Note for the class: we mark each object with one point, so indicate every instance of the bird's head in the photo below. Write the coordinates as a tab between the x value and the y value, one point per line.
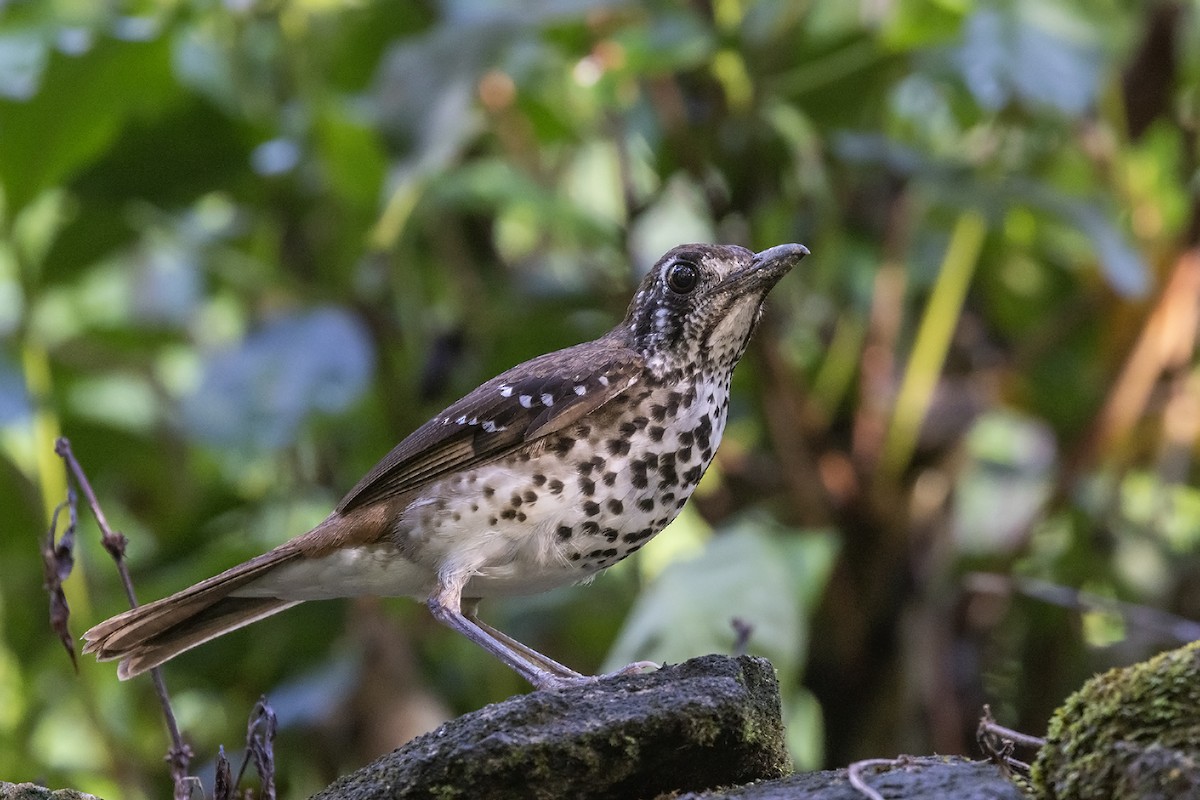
701	302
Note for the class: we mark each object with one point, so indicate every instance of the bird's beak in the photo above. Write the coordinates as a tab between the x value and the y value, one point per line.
767	267
779	259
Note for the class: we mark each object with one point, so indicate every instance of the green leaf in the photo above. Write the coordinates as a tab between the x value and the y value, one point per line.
82	105
756	572
1031	54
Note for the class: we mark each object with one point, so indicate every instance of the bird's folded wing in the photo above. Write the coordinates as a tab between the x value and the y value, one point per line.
520	406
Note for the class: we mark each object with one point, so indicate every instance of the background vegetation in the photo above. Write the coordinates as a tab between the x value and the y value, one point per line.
246	246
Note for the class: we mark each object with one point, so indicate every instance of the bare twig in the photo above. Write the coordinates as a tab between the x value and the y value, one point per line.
260	747
855	773
1145	618
179	755
999	742
224	787
742	631
58	558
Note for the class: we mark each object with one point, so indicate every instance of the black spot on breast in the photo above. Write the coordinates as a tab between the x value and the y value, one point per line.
689	397
521	516
685	454
693	475
530	496
610	534
508	513
591	509
703	432
628	429
640	422
673	401
564	532
474	507
658	412
668	475
539	479
488	491
515	501
492	521
638	476
616	506
555	486
646	504
610	552
587	486
590	528
609	478
706	455
652	460
457	517
595	554
618	447
561	445
656	433
575	556
686	438
583	429
638	536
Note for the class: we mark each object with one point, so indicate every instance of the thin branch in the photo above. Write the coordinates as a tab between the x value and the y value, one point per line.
58	559
179	755
998	743
1144	618
260	747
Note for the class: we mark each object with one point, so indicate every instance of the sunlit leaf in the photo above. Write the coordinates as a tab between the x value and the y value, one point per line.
14	399
753	573
1029	54
81	106
23	56
257	395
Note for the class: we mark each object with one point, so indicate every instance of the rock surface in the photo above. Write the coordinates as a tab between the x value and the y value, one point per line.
911	778
710	722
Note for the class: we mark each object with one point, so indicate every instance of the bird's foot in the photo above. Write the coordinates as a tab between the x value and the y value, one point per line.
552	681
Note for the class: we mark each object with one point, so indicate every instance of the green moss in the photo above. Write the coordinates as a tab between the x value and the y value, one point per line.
1129	733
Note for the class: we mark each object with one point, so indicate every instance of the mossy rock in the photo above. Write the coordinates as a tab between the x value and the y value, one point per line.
31	791
1129	733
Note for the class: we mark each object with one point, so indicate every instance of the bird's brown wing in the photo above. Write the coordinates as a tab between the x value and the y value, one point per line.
520	406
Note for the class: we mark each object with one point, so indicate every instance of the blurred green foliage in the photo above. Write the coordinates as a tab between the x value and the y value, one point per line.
246	246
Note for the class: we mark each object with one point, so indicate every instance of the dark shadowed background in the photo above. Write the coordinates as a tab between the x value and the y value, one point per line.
246	246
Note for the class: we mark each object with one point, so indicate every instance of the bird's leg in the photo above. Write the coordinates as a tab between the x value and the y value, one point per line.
469	610
446	607
569	675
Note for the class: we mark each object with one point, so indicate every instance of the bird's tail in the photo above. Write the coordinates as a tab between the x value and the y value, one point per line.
148	635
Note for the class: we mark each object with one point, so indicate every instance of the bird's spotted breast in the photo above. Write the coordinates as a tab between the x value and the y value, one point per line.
589	496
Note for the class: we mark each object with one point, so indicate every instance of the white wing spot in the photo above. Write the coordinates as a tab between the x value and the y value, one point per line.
473	421
580	389
461	420
603	380
491	427
525	400
547	400
505	390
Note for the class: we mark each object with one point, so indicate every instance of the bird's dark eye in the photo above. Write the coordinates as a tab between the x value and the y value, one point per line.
682	277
